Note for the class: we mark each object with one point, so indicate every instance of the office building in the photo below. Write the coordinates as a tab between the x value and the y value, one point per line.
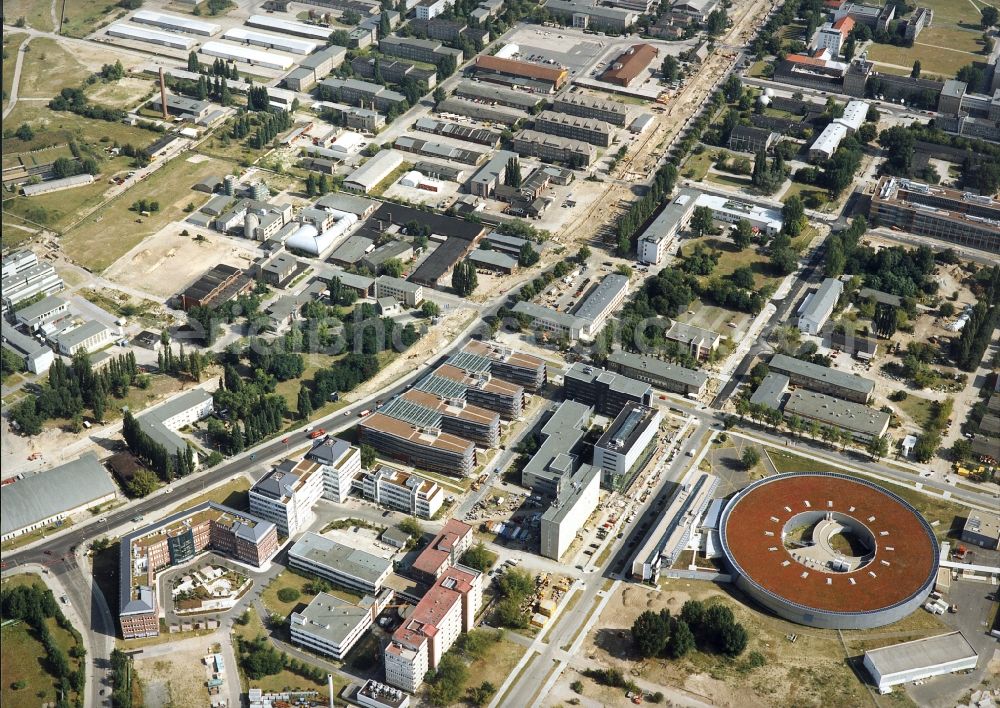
823	379
36	356
53	495
445	551
833	36
660	236
700	343
608	393
353	91
874	16
557	459
429	51
578	104
342	565
479	388
746	138
590	130
286	494
624	443
340	464
402	491
445	611
817	307
428	448
175	540
588	317
505	363
429	9
88	337
590	14
162	422
569	511
411	294
982	529
24	278
860	421
732	211
661	374
551	148
332	626
945	214
491	175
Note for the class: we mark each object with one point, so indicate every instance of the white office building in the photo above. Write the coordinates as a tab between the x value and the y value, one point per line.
817	307
623	443
406	492
341	463
285	496
342	565
733	210
88	337
332	626
406	292
576	501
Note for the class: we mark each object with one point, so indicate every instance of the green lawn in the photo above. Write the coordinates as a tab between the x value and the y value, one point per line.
37	13
949	12
933	508
11	42
916	408
48	68
291	579
813	197
110	232
933	60
84	17
696	166
729	180
952	37
731	258
232	494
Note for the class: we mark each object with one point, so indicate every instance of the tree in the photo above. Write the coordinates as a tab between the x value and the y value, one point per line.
384	28
915	71
479	557
439	94
716	22
650	633
850	47
527	256
463	278
701	220
990	16
681	640
750	457
24	132
743	235
878	447
898	143
367	456
886	320
583	254
670	68
288	594
304	403
411	526
693	613
512	175
732	638
193	65
429	308
143	482
793	214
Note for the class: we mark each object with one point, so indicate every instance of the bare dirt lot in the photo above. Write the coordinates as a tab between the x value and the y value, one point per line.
166	262
815	670
177	678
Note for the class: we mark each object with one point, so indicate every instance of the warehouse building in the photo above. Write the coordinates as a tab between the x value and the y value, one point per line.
823	379
514	72
439	265
162	422
982	529
332	626
342	565
439	150
45	310
661	374
817	307
589	316
318	33
608	393
483	112
578	104
472	134
37	357
623	446
493	261
53	495
315	67
365	178
121	30
627	67
89	337
219	285
945	214
57	185
569	511
404	492
268	59
175	23
551	148
428	448
920	659
24	278
176	540
590	130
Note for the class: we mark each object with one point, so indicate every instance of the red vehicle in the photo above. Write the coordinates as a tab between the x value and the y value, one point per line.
363	413
316	433
284	440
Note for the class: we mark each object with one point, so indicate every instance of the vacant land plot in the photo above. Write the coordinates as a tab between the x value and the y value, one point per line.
731	258
175	679
165	263
49	67
86	16
916	408
125	93
59	127
11	43
103	237
715	318
940	513
813	197
933	60
37	14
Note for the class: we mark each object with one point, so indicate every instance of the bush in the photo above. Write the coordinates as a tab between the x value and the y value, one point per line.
656	697
576	686
288	594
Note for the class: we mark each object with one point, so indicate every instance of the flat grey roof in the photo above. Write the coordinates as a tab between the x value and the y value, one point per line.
659	368
398	283
340	558
40	308
616	382
571	494
672	215
561	433
824	299
690	333
930	651
352	250
785	364
330	617
345	202
628	425
43	495
494	166
83	332
501	260
151	422
837	412
350	280
601	297
22	343
540	312
770	391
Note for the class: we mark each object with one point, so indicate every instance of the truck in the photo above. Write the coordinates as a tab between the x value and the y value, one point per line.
316	433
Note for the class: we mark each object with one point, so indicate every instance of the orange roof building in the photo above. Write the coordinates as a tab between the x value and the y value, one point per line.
516	69
630	64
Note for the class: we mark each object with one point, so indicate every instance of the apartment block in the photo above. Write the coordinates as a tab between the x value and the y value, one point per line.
342	565
578	104
608	393
446	610
411	294
591	130
405	492
443	552
823	379
552	148
699	342
175	540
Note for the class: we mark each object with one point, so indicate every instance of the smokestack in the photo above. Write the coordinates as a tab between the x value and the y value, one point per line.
163	94
329	686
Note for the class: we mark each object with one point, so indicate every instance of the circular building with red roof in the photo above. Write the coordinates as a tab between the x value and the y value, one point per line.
829	550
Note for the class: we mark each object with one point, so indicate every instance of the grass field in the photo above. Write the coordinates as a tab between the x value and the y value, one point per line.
813	197
933	60
48	68
104	236
916	408
11	42
290	579
939	512
125	93
697	165
232	494
729	180
59	127
85	16
949	12
952	37
731	258
36	13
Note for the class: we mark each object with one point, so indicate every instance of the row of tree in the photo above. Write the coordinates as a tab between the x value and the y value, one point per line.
711	629
154	455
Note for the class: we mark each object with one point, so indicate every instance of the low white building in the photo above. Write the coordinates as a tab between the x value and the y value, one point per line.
36	356
88	337
920	659
817	307
342	565
332	626
162	422
410	294
733	210
406	492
